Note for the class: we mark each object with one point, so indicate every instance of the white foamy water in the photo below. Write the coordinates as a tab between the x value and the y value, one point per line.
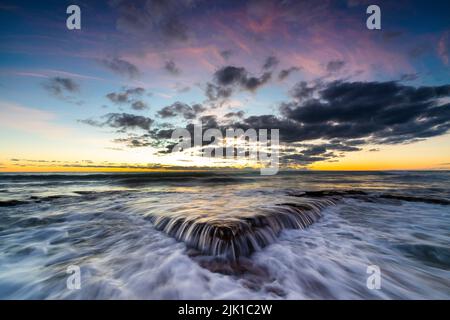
104	225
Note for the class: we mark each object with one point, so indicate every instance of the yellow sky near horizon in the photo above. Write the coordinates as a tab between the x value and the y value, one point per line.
431	154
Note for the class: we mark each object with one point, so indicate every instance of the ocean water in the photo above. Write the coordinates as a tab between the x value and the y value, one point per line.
296	235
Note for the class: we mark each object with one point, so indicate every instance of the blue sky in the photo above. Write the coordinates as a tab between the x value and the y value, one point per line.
53	79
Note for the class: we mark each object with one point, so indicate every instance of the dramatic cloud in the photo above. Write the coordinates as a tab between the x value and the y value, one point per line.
183	109
122	122
348	115
172	68
121	67
378	112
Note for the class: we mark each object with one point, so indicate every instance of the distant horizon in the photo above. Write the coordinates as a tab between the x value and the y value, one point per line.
228	170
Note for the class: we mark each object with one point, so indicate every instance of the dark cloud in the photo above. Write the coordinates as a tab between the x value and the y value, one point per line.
301	159
118	98
335	65
136	141
135	91
305	154
121	67
172	68
125	96
270	62
161	18
304	90
162	136
121	121
230	77
378	112
209	121
124	121
129	96
349	115
298	153
183	109
216	92
286	72
139	105
253	83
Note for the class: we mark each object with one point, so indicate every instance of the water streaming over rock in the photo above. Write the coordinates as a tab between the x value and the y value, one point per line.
237	237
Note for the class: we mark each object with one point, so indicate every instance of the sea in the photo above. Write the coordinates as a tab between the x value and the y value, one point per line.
225	235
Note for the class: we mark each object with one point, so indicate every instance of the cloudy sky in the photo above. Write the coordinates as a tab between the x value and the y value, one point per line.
107	97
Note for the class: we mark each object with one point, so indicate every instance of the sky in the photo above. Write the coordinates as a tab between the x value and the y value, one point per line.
107	97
